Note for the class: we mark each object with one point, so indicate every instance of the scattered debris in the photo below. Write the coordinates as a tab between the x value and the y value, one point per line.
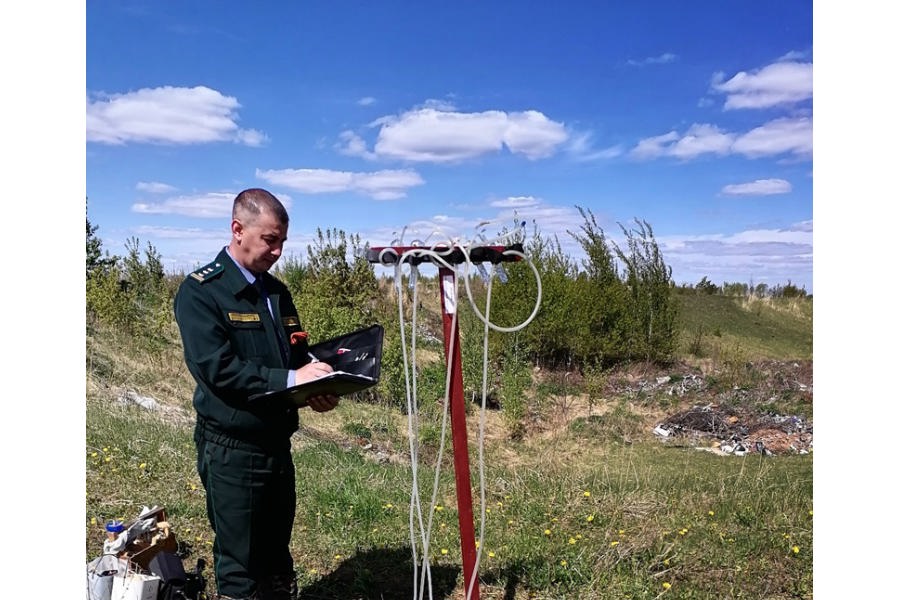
129	397
724	430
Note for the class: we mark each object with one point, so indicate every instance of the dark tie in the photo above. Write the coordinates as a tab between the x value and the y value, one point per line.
261	288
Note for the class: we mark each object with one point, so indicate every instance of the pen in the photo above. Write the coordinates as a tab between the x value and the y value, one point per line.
312	357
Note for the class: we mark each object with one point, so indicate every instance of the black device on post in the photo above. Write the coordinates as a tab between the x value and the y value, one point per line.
355	358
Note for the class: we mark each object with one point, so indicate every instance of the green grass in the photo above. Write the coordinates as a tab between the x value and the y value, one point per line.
575	517
581	507
776	328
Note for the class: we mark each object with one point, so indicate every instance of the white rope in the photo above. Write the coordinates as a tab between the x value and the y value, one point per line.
415	510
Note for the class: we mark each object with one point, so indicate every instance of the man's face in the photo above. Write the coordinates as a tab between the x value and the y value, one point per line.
258	243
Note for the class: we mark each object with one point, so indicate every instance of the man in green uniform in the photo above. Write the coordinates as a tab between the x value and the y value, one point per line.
242	337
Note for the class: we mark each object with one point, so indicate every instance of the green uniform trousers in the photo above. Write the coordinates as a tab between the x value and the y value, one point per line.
251	501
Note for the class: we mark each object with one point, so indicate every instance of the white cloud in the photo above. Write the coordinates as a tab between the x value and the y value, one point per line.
662	59
771	256
352	144
787	135
776	84
381	185
251	137
212	205
581	149
653	147
181	233
515	202
167	115
154	187
760	187
367	101
779	136
793	55
440	136
701	139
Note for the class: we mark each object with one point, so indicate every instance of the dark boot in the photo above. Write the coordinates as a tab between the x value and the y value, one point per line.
279	587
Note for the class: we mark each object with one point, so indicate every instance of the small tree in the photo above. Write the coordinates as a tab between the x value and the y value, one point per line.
653	308
95	259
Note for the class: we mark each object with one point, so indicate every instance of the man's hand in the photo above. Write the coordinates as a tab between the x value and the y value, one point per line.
312	371
323	403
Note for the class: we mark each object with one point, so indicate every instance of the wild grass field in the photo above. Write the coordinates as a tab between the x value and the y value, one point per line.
584	503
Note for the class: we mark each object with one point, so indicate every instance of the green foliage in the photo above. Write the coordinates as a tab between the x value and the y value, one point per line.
595	380
618	424
95	258
133	294
336	290
705	286
515	381
735	289
652	310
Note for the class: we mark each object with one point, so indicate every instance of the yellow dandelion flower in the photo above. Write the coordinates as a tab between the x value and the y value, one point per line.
477	543
682	532
666	562
621	532
443	551
571	540
437	508
491	555
510	522
666	585
209	542
578	536
810	513
193	487
443	525
587	494
108	458
499	504
563	562
375	530
338	557
93	455
546	532
143	466
590	518
106	449
487	510
93	520
614	543
313	571
389	505
712	514
795	549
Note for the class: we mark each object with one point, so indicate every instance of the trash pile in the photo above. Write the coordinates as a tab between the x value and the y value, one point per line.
140	561
726	431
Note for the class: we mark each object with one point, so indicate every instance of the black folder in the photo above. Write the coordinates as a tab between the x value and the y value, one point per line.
355	358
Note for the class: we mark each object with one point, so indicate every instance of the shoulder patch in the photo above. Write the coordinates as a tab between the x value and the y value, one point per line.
208	272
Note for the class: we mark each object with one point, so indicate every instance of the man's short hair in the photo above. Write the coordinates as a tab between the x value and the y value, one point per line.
252	202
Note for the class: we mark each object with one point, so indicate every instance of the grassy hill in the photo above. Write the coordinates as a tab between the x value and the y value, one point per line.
585	503
776	328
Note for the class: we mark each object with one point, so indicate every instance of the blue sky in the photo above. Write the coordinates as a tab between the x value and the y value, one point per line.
375	117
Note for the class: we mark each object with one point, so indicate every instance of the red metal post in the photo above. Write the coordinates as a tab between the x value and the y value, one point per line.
458	429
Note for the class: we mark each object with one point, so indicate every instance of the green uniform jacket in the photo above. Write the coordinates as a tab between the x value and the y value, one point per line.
231	349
